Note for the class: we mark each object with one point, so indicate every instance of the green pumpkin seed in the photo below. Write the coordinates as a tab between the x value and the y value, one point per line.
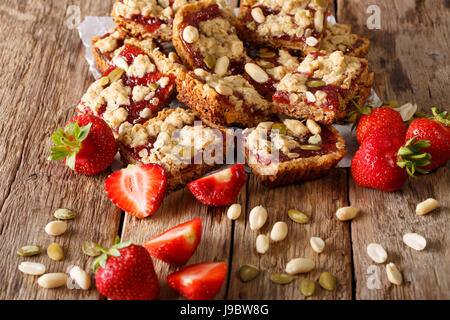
248	273
210	61
154	86
281	278
298	216
55	252
90	249
315	83
307	287
267	54
116	74
65	214
321	3
310	147
251	25
104	81
265	64
327	281
28	251
280	127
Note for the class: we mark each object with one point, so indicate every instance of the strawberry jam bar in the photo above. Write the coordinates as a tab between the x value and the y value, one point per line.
147	18
131	91
340	37
104	47
290	24
177	140
223	101
291	150
323	86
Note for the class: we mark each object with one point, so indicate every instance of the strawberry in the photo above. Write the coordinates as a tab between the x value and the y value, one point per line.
437	132
380	119
126	272
220	188
201	281
86	145
176	245
138	190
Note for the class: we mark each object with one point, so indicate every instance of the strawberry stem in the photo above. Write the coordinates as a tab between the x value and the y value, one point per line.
412	158
441	116
101	260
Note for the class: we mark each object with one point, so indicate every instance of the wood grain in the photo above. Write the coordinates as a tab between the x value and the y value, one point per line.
39	60
319	199
411	58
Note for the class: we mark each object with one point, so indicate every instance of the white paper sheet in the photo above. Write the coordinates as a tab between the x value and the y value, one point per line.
98	26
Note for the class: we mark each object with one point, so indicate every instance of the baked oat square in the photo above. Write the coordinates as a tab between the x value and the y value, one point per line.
340	37
289	24
289	151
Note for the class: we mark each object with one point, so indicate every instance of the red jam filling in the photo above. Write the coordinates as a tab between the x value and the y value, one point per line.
268	11
328	146
150	24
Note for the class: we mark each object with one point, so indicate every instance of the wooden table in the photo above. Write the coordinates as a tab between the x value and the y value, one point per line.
45	74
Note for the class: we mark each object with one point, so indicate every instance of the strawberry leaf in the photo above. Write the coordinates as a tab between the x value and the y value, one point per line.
123	245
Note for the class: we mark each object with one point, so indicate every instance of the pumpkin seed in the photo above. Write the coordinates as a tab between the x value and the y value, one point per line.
251	25
327	281
28	251
104	81
210	61
321	3
315	83
298	216
65	214
154	86
281	278
116	74
307	287
55	252
280	127
392	104
267	54
90	249
248	273
310	147
265	64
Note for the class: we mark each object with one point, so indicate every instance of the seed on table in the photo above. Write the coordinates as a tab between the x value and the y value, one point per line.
327	281
307	287
56	228
248	273
81	277
28	251
279	231
65	214
317	244
298	216
281	278
347	213
257	217
427	206
52	280
393	274
234	211
32	268
415	241
299	265
90	249
55	252
377	253
262	244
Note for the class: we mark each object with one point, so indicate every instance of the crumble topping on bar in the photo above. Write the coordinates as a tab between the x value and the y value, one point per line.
339	37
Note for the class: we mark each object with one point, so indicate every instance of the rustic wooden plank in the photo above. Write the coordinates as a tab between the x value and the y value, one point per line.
179	207
410	56
319	199
44	75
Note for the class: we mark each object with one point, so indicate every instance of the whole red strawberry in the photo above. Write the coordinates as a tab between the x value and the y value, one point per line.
126	272
437	132
86	145
380	119
375	163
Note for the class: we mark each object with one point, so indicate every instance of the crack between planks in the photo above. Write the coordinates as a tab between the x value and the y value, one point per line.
352	260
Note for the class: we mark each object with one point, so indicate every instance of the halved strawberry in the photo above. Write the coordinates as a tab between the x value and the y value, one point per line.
201	281
176	245
220	188
138	190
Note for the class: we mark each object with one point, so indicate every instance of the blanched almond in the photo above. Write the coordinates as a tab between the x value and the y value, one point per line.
52	280
377	253
32	268
256	72
279	231
313	127
81	277
234	211
222	64
393	274
415	241
258	15
317	244
299	265
347	213
257	217
262	243
56	228
190	34
427	206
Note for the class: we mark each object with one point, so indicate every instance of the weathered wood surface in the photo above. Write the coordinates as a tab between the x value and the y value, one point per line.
45	75
410	55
